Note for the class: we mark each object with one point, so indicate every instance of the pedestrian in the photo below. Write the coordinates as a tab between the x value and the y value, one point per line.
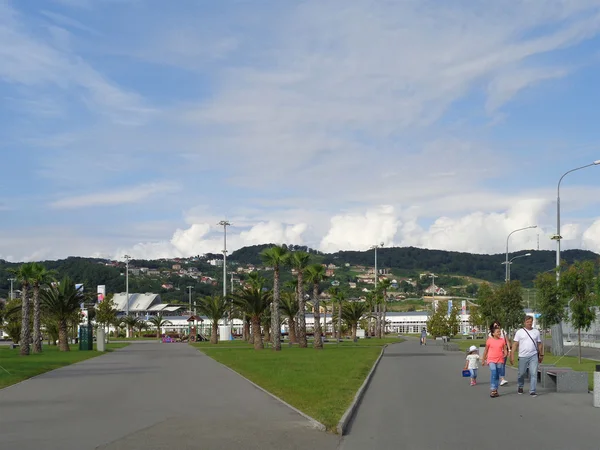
472	363
493	356
504	335
531	353
423	336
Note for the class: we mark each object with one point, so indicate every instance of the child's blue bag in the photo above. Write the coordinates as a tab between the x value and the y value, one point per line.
466	373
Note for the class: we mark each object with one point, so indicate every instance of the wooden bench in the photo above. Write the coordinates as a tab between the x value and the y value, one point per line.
566	380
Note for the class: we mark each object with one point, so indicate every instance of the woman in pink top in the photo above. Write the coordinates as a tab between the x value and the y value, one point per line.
494	355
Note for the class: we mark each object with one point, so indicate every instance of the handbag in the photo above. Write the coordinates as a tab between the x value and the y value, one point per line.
466	373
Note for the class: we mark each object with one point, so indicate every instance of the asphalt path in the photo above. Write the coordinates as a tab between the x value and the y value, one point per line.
418	400
149	396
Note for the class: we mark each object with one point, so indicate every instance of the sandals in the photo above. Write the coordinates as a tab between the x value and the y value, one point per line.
494	394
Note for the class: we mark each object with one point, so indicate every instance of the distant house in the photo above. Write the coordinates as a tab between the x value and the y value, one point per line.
352	285
167	286
329	272
176	267
335	283
435	289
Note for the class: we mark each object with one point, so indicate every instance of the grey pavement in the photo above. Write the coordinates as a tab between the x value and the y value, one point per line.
149	396
418	400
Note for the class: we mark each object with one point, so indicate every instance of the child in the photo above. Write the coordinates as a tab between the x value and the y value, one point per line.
472	363
493	356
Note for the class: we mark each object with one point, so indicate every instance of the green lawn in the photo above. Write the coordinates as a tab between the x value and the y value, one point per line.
23	367
322	384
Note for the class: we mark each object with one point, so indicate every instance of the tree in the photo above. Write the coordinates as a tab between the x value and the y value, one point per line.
578	283
299	260
106	312
437	324
158	321
131	322
289	309
40	277
509	297
25	274
61	302
117	323
489	309
214	307
476	320
352	312
254	301
315	274
551	304
453	320
275	257
12	318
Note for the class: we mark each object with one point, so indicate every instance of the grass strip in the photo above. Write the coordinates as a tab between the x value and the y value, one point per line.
15	368
321	384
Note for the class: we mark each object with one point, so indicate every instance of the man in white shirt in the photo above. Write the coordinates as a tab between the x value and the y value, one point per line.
531	352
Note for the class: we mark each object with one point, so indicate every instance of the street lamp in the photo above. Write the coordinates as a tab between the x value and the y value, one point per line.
557	343
374	247
225	224
127	258
12	280
506	275
510	263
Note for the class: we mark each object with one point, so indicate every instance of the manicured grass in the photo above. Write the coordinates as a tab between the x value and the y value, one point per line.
23	367
322	384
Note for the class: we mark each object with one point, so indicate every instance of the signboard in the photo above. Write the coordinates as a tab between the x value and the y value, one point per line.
101	293
449	307
463	307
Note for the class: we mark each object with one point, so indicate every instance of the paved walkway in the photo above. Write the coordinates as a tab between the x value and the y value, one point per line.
418	400
149	396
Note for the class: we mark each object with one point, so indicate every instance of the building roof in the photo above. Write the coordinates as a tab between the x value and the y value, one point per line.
137	302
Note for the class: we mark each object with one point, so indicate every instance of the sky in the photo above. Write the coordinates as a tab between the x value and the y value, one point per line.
135	126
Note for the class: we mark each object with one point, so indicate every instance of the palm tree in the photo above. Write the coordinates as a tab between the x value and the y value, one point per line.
131	322
352	313
289	308
61	303
340	297
275	257
117	322
299	261
41	277
158	321
384	285
141	326
315	274
213	307
25	274
370	301
254	301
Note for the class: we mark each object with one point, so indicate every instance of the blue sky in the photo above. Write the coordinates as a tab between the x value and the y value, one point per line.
135	126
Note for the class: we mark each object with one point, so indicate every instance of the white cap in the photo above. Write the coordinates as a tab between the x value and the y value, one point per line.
472	348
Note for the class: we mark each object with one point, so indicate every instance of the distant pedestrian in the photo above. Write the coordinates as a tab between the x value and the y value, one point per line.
493	356
531	352
472	363
503	335
423	336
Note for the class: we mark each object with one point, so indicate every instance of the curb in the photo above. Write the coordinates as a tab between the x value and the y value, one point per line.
314	423
342	425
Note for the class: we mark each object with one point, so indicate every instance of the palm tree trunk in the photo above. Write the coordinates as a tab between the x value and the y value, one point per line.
354	326
37	327
292	330
214	338
258	342
25	330
267	334
377	324
318	343
301	312
275	319
383	314
63	336
340	322
246	332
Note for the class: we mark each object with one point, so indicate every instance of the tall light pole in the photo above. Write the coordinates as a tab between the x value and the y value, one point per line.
225	224
189	288
127	258
557	341
506	274
376	302
510	262
12	280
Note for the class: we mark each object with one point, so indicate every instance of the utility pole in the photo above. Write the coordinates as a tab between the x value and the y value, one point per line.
127	258
12	280
225	224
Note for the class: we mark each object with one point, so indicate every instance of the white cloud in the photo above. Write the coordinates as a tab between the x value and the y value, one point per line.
120	196
591	237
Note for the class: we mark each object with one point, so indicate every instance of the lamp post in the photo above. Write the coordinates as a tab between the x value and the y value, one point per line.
557	341
225	224
12	280
506	275
377	323
127	258
510	262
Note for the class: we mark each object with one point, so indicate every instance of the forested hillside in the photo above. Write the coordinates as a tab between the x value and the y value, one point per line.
403	261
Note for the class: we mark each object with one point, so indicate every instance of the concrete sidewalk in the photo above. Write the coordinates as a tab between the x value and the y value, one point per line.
418	400
149	396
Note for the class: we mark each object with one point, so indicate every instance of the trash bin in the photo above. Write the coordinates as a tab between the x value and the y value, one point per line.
86	338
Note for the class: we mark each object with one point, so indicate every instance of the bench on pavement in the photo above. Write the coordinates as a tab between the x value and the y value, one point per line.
541	372
452	347
565	380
